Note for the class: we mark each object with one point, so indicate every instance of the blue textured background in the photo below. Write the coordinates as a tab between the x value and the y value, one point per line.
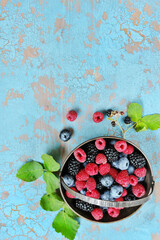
73	54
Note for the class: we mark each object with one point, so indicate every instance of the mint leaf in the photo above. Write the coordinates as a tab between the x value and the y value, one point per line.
66	225
30	171
51	202
134	111
152	121
140	126
69	211
49	163
52	182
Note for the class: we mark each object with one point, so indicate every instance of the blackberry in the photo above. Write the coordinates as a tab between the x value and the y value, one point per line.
99	186
108	112
111	154
130	197
137	160
91	152
127	120
113	123
84	206
73	166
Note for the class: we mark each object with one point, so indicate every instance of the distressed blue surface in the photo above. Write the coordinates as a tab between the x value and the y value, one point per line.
84	55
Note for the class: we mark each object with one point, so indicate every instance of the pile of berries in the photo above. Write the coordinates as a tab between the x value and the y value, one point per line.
105	169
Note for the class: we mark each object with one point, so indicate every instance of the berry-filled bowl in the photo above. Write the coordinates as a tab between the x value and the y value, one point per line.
106	179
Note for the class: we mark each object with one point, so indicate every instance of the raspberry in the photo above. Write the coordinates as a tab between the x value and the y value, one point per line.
113	212
111	154
91	169
100	143
101	158
140	172
80	155
129	149
84	206
123	178
113	172
97	213
82	175
138	190
133	180
73	166
124	193
91	184
104	169
120	146
137	160
80	185
71	115
70	195
120	199
97	117
94	194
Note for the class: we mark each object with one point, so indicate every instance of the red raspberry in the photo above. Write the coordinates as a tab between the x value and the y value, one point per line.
91	169
113	172
138	190
80	185
124	192
140	172
113	212
100	143
123	178
70	195
120	146
97	213
120	199
80	155
104	169
129	149
101	158
82	175
94	194
133	180
97	117
71	115
90	184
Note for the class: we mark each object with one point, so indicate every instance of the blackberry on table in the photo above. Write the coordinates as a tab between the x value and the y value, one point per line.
137	160
91	152
130	197
113	123
84	206
111	153
73	166
127	120
108	112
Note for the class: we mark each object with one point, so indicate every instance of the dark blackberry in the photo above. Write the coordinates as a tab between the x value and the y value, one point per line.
108	112
127	120
73	166
99	186
111	154
137	160
130	197
91	152
113	123
84	206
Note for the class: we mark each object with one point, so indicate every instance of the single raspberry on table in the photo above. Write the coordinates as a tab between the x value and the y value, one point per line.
129	149
120	199
101	158
71	115
138	190
133	180
91	169
82	175
124	192
123	178
80	155
120	146
113	172
80	185
98	117
100	143
90	184
94	194
97	213
140	172
70	195
113	212
104	168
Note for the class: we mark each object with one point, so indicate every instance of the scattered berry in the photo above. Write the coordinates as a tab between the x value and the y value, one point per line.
73	166
97	213
127	120
124	192
137	160
91	184
98	117
71	115
80	155
69	180
113	212
138	190
121	113
108	112
133	180
94	194
104	169
120	146
140	172
82	175
70	195
113	172
130	197
131	169
105	195
120	199
107	181
129	149
111	153
65	135
84	206
101	158
113	123
116	191
80	185
100	143
123	178
123	163
91	169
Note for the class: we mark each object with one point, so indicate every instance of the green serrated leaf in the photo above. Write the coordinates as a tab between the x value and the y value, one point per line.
69	211
52	182
51	202
49	163
135	111
66	225
140	126
152	121
30	171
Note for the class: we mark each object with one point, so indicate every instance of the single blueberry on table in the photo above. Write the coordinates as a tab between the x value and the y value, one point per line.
69	180
116	191
65	135
123	163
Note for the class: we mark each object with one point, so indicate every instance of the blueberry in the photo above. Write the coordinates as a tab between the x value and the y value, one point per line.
115	164
65	135
83	191
141	179
111	199
107	181
123	163
105	195
128	186
116	191
122	155
69	180
84	164
112	142
131	169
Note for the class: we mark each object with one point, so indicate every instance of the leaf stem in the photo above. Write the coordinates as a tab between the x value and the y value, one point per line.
130	127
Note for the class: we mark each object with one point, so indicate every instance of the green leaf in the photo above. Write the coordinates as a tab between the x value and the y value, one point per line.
30	171
49	163
69	211
134	111
51	202
52	182
66	225
152	121
140	126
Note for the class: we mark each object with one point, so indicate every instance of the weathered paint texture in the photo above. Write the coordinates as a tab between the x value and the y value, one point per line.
86	55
